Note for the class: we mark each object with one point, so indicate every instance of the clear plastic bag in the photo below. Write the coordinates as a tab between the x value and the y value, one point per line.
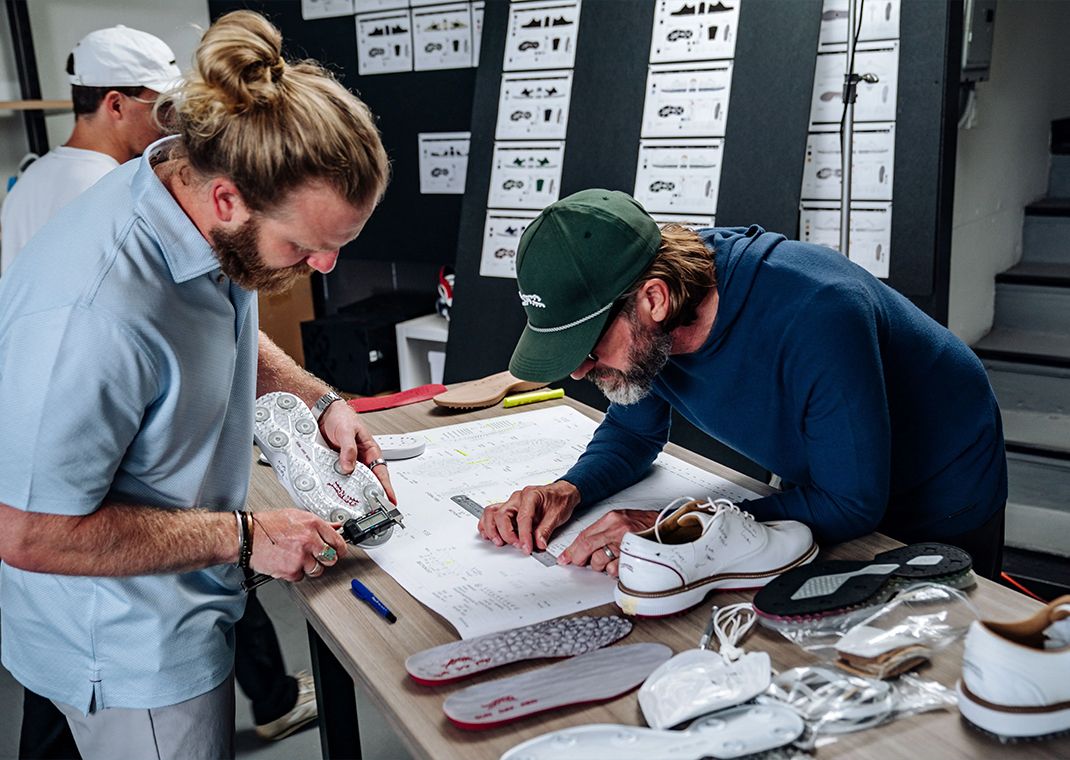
832	702
890	639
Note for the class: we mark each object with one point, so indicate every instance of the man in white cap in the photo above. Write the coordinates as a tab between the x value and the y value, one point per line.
115	76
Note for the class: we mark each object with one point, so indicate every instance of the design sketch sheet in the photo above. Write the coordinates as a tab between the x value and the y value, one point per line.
501	237
443	162
441	560
384	43
542	36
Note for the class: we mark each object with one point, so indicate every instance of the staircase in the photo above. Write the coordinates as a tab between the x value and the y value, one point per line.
1027	354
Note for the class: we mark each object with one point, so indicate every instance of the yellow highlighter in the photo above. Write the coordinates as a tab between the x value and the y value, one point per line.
543	394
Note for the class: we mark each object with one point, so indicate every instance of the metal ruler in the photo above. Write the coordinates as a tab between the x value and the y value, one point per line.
476	511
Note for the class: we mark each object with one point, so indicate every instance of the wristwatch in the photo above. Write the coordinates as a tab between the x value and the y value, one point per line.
323	402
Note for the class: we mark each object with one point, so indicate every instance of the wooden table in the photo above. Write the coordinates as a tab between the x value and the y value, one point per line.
349	641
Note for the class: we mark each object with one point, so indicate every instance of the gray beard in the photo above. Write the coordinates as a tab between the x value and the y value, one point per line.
647	355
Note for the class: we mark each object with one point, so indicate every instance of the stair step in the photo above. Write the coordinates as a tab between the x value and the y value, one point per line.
1045	238
1049	207
1028	387
1052	274
1037	432
1025	347
1059	177
1038	308
1038	505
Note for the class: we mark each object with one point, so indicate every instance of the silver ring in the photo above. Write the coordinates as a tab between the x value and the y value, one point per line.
376	462
313	573
327	554
609	552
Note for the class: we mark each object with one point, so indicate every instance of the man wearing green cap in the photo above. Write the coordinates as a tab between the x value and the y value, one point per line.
875	416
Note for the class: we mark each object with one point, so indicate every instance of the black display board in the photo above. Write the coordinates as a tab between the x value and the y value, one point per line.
761	174
407	226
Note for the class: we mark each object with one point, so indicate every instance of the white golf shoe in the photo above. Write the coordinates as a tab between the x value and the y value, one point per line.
1016	676
698	546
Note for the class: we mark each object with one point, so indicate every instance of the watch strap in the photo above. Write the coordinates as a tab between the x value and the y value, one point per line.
323	402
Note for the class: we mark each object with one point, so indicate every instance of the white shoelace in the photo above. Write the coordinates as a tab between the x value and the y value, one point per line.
729	626
710	505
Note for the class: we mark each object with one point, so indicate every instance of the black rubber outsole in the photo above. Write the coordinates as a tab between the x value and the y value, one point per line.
813	591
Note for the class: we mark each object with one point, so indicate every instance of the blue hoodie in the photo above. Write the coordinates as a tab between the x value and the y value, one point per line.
873	414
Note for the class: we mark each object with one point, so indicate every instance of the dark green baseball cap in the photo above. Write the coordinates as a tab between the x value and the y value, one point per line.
575	259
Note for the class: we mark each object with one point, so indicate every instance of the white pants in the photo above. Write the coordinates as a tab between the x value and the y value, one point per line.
201	728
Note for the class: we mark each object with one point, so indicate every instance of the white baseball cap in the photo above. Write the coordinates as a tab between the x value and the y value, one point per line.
123	57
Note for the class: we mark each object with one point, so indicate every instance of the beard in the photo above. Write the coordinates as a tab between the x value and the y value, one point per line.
239	258
647	355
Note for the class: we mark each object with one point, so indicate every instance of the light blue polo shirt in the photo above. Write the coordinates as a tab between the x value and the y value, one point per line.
127	374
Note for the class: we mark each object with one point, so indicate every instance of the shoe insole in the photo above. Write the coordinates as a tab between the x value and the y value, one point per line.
728	734
484	392
563	637
833	586
593	677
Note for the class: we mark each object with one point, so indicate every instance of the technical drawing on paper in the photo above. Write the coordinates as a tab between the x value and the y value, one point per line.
526	174
686	102
871	232
871	173
443	162
534	106
880	21
441	560
384	43
542	36
477	30
371	6
694	30
442	37
876	102
312	9
679	176
501	236
691	221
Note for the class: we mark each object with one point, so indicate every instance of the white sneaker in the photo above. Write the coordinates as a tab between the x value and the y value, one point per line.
1016	676
308	468
702	546
304	711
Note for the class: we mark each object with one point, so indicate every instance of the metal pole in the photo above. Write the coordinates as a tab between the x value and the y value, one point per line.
18	16
847	139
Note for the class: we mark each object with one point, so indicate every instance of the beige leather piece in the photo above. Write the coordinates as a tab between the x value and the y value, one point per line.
484	392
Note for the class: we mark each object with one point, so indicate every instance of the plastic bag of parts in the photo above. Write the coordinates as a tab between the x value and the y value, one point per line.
832	702
891	639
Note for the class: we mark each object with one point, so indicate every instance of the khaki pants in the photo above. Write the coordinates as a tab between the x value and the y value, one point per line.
201	728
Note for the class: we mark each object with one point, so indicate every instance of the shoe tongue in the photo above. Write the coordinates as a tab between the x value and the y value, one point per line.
1057	635
699	516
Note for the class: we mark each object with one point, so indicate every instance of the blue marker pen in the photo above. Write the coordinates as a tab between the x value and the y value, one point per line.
363	593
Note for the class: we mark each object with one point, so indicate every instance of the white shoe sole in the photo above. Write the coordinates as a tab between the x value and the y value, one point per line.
664	603
733	733
1008	722
289	438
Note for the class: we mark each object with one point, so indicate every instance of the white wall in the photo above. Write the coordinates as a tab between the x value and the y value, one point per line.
1003	161
57	25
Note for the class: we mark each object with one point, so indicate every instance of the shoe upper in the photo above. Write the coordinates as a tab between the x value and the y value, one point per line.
701	539
1021	664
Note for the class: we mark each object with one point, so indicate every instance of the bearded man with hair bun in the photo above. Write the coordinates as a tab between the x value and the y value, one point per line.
130	360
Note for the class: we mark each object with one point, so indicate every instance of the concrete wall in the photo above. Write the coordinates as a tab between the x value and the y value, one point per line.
1003	161
57	25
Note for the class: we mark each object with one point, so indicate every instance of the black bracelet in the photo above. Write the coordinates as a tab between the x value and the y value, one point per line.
245	551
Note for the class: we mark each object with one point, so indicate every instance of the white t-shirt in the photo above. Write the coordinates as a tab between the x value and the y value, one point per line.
51	182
